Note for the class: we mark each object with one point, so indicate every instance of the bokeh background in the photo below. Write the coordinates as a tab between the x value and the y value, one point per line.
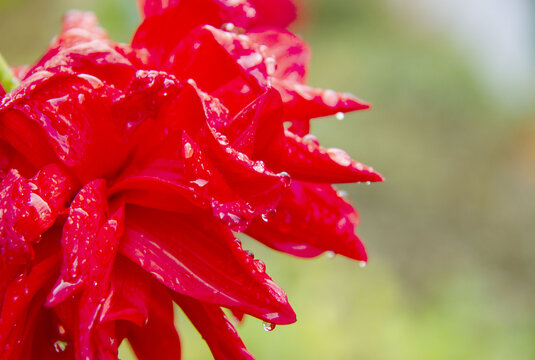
451	232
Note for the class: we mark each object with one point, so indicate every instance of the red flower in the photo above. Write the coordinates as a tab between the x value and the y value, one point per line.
126	169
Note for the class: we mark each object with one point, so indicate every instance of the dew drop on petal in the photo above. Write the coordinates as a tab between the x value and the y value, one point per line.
342	193
259	265
339	116
249	253
259	166
228	26
330	254
268	326
270	65
60	346
286	178
268	215
363	264
61	329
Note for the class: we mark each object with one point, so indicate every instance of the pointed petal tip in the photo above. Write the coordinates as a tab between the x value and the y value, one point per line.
286	316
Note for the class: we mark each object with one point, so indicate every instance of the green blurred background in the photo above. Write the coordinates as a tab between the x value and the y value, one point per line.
450	233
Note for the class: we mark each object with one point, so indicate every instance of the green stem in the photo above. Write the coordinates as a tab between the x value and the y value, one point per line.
7	80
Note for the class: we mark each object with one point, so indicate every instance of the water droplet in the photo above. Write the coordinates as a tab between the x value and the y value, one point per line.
268	215
271	65
188	151
268	326
60	346
368	182
342	193
363	264
228	26
286	178
259	265
339	116
249	253
259	166
311	138
61	330
330	254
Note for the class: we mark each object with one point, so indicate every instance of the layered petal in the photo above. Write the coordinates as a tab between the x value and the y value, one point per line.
218	332
83	47
147	309
243	13
205	172
28	208
22	300
198	256
311	219
68	117
90	241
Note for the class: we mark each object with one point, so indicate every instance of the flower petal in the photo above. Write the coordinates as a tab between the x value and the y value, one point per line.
198	256
222	64
160	33
29	208
21	302
289	54
310	220
302	102
89	243
215	328
306	160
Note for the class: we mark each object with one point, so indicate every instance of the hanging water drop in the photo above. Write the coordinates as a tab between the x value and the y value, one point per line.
60	346
339	116
363	264
268	326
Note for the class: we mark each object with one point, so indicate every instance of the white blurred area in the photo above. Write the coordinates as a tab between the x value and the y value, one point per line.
497	36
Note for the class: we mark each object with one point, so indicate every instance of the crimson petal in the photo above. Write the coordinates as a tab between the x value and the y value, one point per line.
215	328
288	51
310	220
160	33
29	208
306	160
199	256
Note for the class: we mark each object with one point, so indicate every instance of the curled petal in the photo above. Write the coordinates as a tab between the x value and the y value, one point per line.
29	208
258	128
21	303
310	220
199	256
207	172
89	243
68	117
214	327
160	33
222	64
83	47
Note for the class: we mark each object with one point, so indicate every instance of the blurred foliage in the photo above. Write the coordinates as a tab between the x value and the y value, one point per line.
449	234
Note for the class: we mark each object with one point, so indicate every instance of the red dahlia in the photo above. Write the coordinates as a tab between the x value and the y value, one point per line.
127	169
